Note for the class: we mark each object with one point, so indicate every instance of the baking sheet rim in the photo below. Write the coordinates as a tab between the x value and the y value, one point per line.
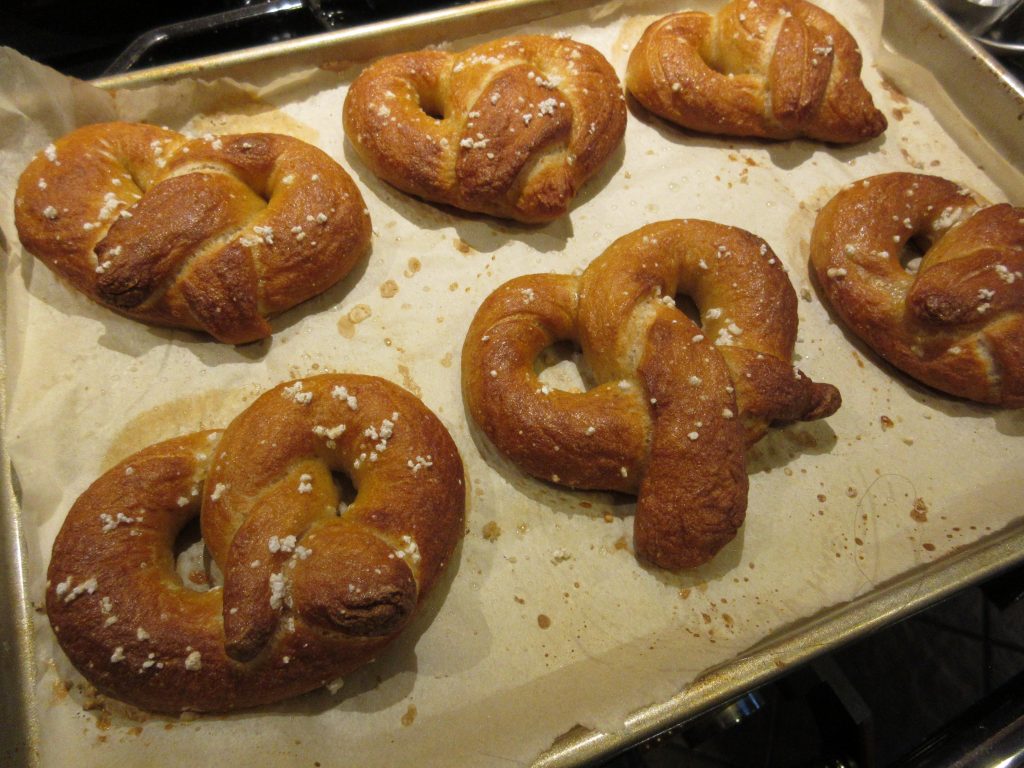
801	642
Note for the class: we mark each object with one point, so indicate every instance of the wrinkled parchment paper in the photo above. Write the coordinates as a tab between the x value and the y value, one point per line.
548	621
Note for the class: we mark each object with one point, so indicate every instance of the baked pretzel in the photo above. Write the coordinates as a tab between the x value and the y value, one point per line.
212	234
675	404
775	69
956	321
310	591
511	128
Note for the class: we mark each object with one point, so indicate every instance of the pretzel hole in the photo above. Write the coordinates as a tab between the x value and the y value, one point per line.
562	366
431	103
912	253
346	491
689	307
192	560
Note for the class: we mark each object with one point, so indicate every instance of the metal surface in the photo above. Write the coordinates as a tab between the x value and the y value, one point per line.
19	735
144	43
978	16
989	735
914	29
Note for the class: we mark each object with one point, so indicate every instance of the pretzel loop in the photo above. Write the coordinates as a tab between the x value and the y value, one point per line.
512	127
310	592
211	234
776	69
675	404
956	321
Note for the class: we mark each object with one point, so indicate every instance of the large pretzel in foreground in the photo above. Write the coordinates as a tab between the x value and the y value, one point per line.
775	69
957	321
310	592
212	234
676	404
512	128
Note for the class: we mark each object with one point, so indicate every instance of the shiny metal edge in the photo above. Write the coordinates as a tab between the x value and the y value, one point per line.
983	89
997	110
19	736
358	43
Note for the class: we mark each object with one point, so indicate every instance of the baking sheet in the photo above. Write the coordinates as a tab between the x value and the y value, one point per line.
837	508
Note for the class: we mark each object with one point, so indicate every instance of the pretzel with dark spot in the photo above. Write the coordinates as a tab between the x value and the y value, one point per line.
311	591
675	405
775	69
212	234
512	128
956	322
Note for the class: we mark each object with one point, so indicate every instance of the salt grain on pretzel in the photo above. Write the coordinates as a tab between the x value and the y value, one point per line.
308	595
775	69
675	405
955	319
213	234
512	128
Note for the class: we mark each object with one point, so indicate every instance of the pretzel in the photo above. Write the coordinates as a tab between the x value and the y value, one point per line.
511	128
310	592
956	321
774	69
211	234
675	404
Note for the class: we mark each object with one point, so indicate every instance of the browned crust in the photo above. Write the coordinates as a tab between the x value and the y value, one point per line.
774	69
672	411
957	324
512	128
349	584
212	234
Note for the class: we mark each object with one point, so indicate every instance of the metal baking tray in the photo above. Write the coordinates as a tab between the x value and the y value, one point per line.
985	92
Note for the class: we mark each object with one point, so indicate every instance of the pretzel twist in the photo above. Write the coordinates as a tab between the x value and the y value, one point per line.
775	69
675	404
511	128
957	321
210	234
308	595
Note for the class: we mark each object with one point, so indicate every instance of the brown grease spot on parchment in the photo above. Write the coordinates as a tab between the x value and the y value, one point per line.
408	382
410	716
212	409
920	511
388	289
897	95
543	621
60	690
347	323
413	268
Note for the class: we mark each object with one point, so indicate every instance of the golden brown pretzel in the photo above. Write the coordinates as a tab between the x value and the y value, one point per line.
957	321
675	405
308	595
212	234
775	69
512	127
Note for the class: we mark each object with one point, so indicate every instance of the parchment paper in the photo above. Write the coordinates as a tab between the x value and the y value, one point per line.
553	622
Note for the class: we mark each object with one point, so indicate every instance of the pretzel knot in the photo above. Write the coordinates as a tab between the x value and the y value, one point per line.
311	589
212	234
955	321
775	69
511	128
675	404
